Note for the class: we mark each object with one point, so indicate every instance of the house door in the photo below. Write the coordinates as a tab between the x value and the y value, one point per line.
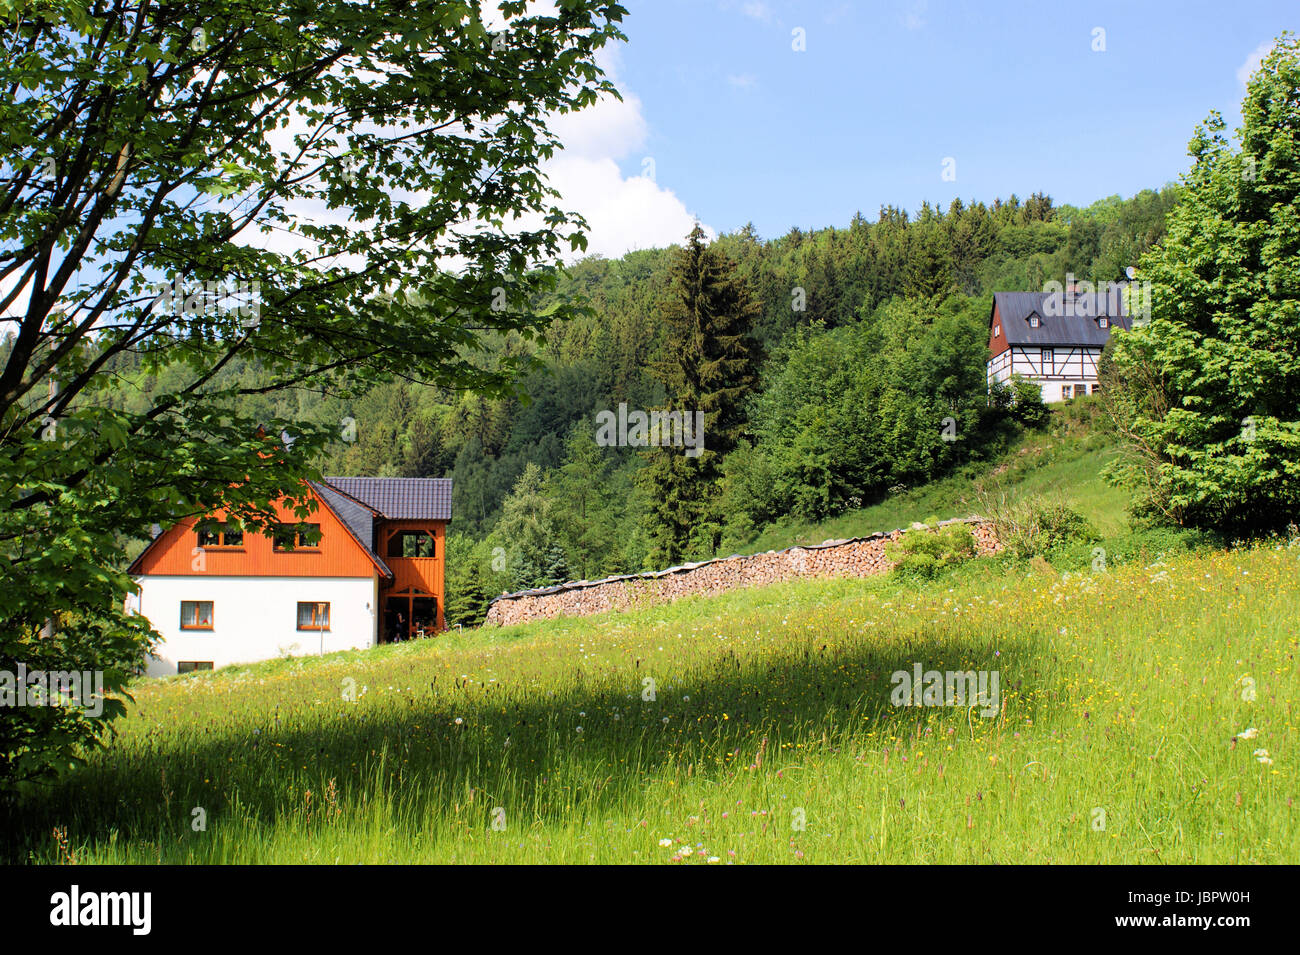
409	614
397	618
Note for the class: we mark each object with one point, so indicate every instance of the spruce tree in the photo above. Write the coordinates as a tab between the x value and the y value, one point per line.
708	364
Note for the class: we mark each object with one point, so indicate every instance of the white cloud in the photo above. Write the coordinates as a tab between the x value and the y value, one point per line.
623	213
1253	60
610	127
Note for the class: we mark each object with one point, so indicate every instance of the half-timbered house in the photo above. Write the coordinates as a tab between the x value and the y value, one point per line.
1053	339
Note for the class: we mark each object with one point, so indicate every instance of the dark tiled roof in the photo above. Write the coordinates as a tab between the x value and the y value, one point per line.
1079	327
358	518
400	499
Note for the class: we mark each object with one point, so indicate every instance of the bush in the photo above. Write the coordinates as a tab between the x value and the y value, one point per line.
1034	527
1060	525
1135	547
924	551
1027	404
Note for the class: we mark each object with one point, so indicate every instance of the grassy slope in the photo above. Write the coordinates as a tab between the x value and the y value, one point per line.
1122	692
1063	463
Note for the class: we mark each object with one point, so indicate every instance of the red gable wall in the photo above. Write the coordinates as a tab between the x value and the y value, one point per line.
997	343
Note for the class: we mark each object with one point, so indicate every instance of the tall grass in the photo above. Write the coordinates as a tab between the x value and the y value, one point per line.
1124	697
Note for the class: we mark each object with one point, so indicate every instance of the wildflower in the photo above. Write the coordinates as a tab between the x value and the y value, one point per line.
459	721
1248	733
714	859
1263	757
665	843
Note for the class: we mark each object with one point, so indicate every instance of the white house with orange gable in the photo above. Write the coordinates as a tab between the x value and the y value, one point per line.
366	567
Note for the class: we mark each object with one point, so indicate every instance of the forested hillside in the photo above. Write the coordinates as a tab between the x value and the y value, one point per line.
861	371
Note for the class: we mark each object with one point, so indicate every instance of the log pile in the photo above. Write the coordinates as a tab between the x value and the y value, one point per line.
857	557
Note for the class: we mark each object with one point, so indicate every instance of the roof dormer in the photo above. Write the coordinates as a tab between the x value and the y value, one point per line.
1035	320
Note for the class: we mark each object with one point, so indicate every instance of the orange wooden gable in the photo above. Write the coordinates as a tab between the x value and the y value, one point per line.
176	551
421	574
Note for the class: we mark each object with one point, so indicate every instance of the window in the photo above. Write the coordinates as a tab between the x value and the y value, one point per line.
1034	321
411	544
220	535
1049	363
1103	321
313	616
189	666
293	536
997	330
196	614
1065	392
1096	388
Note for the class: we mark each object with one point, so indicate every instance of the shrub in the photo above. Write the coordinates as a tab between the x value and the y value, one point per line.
1027	404
1059	525
1032	526
924	551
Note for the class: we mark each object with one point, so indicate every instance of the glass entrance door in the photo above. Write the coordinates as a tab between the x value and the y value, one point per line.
408	615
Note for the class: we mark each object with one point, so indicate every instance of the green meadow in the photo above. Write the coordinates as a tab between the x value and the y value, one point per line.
1147	714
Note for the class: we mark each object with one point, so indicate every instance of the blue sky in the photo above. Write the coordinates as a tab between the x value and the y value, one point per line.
735	125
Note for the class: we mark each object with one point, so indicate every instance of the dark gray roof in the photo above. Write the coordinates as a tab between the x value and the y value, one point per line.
358	518
1063	321
399	499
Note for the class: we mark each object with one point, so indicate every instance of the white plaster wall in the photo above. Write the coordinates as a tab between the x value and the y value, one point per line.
1052	387
1078	368
256	618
